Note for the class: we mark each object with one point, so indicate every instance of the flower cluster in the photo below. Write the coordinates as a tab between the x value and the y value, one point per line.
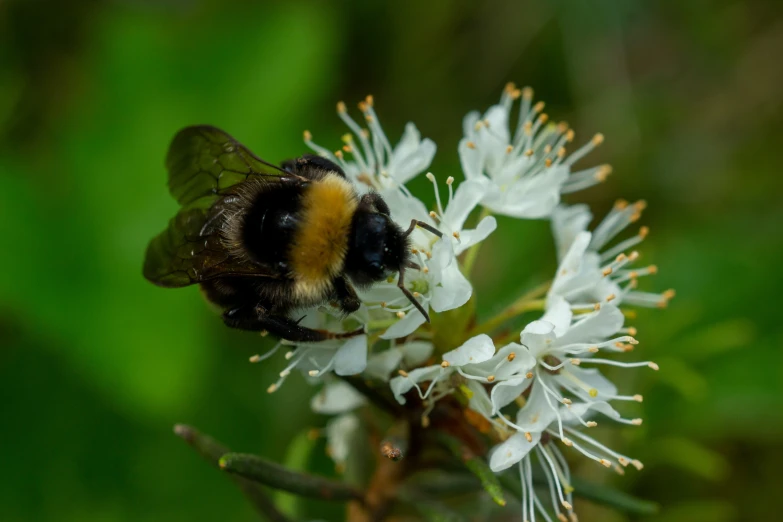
530	389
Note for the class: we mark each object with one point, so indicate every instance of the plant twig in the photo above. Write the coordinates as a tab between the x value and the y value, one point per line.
211	450
258	469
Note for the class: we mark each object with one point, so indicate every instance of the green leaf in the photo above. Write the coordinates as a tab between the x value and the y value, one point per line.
258	469
477	466
211	450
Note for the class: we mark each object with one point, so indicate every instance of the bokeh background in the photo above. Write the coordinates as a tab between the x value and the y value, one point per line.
96	365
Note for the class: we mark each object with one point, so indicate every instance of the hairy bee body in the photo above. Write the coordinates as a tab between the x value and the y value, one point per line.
262	241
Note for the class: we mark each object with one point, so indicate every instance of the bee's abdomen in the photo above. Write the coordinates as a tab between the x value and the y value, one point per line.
270	225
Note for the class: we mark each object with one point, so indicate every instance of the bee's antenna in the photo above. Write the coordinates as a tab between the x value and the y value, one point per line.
425	226
408	294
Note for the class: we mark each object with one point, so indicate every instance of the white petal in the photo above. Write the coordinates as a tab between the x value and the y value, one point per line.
596	327
467	196
453	289
523	361
532	198
340	433
512	451
471	160
405	326
538	336
558	312
336	397
474	350
506	392
401	385
468	238
351	358
415	353
571	263
537	414
584	410
469	123
479	401
593	379
567	222
380	365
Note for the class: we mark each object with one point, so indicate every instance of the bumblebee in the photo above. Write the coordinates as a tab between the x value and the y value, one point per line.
263	241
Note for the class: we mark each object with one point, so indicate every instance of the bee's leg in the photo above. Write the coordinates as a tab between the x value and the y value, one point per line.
258	318
346	296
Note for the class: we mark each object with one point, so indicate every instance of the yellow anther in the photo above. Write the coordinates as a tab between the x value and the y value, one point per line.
598	139
341	107
603	172
307	135
470	145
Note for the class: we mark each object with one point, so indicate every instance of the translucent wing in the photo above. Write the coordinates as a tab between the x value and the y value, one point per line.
190	251
204	162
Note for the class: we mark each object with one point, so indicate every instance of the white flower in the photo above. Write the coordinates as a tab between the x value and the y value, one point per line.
412	354
318	359
372	162
341	432
336	397
561	343
439	285
587	275
526	170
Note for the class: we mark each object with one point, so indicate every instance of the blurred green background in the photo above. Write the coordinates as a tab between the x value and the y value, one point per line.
97	365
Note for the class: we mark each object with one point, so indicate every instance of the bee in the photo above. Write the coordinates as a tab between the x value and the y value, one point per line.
263	241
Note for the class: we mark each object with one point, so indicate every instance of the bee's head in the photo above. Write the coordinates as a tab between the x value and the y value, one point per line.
378	246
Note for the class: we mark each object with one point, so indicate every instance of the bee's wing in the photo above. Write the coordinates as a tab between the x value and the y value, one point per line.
190	251
204	162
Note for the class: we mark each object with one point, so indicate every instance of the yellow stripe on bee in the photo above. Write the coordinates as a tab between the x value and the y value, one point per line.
320	243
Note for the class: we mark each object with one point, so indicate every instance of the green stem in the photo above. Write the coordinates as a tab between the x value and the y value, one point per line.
258	469
211	450
526	303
